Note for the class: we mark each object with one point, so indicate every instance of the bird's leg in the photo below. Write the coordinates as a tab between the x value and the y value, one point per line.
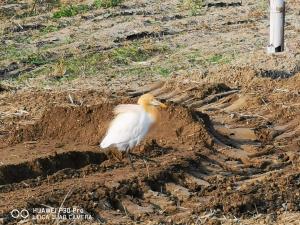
147	168
129	157
145	158
116	154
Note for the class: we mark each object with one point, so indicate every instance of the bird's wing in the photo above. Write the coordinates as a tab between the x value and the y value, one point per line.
126	108
130	126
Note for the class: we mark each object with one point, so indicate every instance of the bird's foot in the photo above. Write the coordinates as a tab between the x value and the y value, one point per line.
144	158
117	155
129	155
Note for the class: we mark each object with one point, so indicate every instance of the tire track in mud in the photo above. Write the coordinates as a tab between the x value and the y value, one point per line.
207	158
48	165
240	149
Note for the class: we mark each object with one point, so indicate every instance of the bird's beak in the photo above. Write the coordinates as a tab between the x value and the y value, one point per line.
158	103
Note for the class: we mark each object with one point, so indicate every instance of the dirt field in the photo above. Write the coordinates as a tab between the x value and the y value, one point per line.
225	151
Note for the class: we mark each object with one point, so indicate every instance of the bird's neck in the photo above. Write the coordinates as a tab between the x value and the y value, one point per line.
152	111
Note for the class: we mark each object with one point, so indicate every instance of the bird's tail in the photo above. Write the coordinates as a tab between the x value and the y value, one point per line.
104	143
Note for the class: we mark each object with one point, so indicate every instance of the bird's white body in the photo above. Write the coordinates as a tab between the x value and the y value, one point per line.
131	124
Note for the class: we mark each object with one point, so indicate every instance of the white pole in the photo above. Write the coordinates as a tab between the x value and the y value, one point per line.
277	14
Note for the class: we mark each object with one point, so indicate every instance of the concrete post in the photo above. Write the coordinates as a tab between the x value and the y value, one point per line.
277	16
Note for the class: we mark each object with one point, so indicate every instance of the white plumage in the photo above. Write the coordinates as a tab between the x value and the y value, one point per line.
128	128
131	124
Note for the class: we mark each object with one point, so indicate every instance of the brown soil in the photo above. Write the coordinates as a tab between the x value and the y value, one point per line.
226	151
213	157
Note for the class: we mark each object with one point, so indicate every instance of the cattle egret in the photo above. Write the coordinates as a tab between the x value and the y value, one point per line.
132	123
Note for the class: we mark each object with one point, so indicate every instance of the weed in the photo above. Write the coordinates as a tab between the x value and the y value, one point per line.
70	10
11	1
263	5
59	69
193	5
136	52
24	77
219	59
49	29
106	63
26	14
133	71
106	3
88	65
22	39
53	3
36	59
70	69
195	57
163	71
67	77
12	52
73	10
125	55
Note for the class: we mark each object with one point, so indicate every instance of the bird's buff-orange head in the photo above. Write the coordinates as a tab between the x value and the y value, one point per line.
150	105
147	100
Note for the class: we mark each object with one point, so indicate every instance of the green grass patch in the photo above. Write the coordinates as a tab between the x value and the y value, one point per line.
195	58
89	65
132	71
263	5
26	14
194	6
125	55
100	63
36	59
13	52
70	10
136	52
24	77
110	64
86	66
219	59
143	71
22	39
106	3
165	72
73	10
49	29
